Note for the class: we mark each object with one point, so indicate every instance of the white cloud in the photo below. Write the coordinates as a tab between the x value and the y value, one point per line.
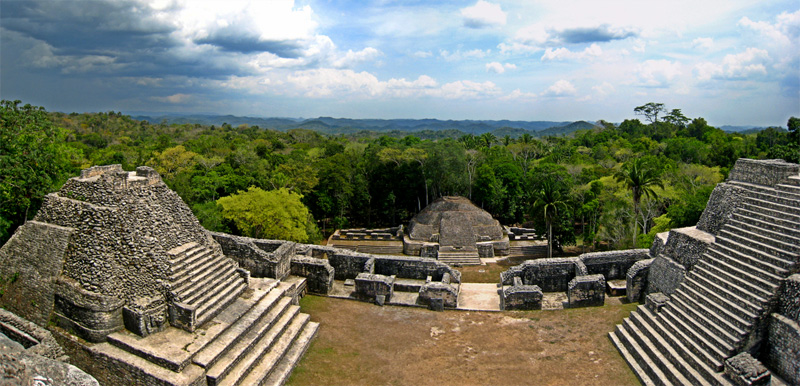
563	53
422	54
560	88
703	43
352	57
175	98
518	95
459	55
749	63
483	14
657	73
603	89
499	68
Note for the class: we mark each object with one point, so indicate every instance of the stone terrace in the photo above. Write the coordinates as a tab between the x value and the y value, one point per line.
723	306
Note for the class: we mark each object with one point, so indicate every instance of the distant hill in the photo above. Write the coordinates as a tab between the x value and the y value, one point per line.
737	129
347	126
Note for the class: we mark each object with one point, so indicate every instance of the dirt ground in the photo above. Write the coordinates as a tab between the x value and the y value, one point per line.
364	344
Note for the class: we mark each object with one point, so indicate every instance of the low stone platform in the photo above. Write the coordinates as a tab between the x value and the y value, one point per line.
478	297
258	339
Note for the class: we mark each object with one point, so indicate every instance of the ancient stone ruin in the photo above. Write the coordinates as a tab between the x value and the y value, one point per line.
722	297
144	295
452	230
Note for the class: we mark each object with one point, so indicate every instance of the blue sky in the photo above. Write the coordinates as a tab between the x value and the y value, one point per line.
730	61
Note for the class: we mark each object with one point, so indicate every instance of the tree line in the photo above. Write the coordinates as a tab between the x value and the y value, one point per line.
613	186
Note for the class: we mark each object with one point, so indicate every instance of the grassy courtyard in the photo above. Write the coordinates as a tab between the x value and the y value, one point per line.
364	344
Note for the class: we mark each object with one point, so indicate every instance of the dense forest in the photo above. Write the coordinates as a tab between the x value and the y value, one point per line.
611	186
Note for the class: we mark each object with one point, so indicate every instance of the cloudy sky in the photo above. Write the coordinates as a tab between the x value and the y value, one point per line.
731	61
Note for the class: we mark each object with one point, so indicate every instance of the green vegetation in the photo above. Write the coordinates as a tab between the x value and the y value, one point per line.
612	184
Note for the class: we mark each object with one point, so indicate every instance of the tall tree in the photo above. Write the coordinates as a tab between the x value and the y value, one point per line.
34	160
640	175
275	214
651	111
548	201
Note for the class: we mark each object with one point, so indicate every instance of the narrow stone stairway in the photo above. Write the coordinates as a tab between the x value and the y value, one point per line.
256	340
724	299
201	284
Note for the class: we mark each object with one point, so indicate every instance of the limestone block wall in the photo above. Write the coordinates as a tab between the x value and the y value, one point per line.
30	262
446	292
725	198
683	249
521	297
762	172
612	265
263	258
586	291
636	280
318	273
782	353
36	339
551	275
369	286
348	264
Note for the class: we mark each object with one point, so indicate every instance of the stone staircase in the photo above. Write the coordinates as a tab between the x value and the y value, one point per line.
201	284
459	257
256	340
724	300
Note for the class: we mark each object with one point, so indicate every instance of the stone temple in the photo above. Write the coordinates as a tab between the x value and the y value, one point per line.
451	230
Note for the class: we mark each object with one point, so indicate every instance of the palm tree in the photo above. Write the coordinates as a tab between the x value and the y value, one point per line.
641	176
548	201
487	139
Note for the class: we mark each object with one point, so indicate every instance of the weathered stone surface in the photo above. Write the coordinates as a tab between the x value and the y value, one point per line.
368	286
30	262
34	338
636	280
19	367
655	301
762	172
263	258
551	275
521	297
612	264
658	243
587	291
318	273
665	275
348	264
686	246
783	348
439	291
719	209
789	303
744	370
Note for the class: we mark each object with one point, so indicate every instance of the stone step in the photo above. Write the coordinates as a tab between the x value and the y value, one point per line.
259	316
714	306
211	306
763	228
744	253
775	209
646	325
712	359
640	356
770	245
263	368
771	194
702	336
757	267
744	310
720	288
281	371
654	355
187	257
186	263
698	325
204	261
765	217
686	360
716	319
755	291
237	361
206	281
151	373
630	359
713	322
181	249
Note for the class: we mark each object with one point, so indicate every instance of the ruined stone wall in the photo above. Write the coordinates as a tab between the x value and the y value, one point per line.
263	258
762	172
612	265
30	263
36	339
348	264
725	198
551	275
782	353
318	273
